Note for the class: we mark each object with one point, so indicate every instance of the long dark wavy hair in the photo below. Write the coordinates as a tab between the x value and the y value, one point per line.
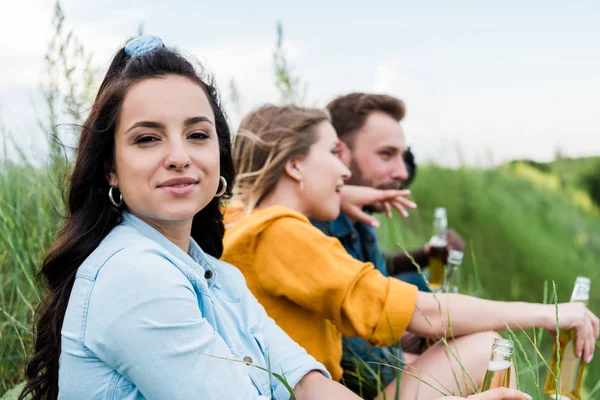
91	216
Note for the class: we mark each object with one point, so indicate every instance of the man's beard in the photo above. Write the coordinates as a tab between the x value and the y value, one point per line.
357	179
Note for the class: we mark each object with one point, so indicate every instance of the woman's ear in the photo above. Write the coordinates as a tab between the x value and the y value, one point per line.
292	169
110	173
112	179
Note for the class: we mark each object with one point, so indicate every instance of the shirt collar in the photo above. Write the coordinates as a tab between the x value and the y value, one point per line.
342	226
195	254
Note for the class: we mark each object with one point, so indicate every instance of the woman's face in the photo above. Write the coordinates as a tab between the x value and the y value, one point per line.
323	175
166	150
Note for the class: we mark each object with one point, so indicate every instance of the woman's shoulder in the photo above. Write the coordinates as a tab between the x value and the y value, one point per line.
276	222
126	250
272	218
286	223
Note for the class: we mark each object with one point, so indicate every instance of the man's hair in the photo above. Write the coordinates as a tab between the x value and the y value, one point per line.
349	112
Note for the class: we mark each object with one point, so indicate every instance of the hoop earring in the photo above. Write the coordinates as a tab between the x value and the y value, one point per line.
112	199
223	188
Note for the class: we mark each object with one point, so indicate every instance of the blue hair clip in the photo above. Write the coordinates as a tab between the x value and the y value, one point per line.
142	45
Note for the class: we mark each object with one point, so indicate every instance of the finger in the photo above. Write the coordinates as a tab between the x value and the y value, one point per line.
405	202
512	394
358	214
388	209
501	394
398	207
580	341
590	342
389	194
365	218
595	324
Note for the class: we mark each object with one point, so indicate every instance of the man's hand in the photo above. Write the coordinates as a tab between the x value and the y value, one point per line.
355	198
412	343
454	240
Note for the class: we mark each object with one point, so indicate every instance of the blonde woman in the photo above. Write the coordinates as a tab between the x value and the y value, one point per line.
288	172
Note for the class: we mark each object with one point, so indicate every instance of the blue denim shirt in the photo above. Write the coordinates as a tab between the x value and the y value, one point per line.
359	239
145	320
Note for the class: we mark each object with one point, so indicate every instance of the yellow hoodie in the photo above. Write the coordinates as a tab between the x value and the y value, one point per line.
313	288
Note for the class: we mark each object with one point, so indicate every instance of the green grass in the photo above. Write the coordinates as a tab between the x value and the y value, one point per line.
521	234
29	216
570	170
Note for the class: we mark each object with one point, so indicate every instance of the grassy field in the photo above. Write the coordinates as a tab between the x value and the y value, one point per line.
526	224
30	205
523	231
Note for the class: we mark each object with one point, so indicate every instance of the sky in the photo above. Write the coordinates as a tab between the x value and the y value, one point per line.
483	82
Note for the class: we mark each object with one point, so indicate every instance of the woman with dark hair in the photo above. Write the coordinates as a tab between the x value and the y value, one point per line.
139	306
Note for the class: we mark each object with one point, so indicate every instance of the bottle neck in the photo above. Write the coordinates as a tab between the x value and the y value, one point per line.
578	298
440	226
581	291
502	351
501	356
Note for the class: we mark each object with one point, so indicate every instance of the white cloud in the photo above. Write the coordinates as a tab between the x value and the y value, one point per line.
24	29
249	62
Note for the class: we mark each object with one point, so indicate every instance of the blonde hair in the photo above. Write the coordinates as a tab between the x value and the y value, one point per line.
266	140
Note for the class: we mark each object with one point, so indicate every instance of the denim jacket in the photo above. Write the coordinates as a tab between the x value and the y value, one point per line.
359	239
145	320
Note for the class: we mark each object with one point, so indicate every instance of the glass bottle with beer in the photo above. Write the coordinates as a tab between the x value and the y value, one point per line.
438	253
451	275
498	371
571	366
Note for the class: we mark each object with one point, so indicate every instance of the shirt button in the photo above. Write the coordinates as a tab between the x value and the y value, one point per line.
208	274
248	360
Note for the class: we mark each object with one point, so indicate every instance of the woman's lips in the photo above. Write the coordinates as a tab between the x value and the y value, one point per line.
179	190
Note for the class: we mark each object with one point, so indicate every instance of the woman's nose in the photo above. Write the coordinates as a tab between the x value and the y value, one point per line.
177	158
345	172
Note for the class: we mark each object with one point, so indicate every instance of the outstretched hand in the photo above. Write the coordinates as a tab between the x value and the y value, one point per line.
355	198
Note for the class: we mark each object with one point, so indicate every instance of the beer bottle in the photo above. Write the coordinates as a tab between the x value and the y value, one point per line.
498	371
437	250
571	366
451	276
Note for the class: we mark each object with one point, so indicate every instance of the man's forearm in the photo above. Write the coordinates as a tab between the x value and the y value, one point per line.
399	262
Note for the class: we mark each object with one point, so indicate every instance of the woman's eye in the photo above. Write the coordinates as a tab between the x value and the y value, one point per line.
146	139
198	135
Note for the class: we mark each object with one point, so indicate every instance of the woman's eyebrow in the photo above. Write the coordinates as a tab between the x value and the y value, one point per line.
194	120
146	124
